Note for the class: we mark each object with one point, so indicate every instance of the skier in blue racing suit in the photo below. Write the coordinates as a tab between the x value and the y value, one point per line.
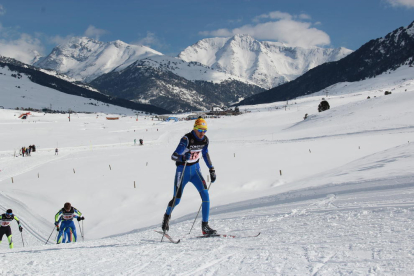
67	229
192	146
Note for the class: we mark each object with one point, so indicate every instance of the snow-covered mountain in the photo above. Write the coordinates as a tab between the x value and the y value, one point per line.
84	59
174	84
370	60
267	64
26	86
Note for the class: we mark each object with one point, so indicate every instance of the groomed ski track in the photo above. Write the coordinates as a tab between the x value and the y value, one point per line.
363	230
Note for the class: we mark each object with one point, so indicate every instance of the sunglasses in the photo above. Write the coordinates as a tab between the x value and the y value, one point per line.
9	214
202	130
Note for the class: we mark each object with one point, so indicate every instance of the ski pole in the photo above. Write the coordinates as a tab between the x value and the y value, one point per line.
83	232
175	196
80	228
22	238
198	211
50	235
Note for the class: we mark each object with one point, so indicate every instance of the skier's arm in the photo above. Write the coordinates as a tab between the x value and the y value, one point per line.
57	216
177	156
77	212
206	157
17	220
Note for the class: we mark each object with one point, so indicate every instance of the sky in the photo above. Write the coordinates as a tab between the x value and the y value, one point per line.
28	27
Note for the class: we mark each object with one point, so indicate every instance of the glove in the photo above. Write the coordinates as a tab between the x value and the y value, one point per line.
20	228
57	228
212	175
186	156
80	218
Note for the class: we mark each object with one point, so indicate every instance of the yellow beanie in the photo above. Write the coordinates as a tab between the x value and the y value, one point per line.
200	123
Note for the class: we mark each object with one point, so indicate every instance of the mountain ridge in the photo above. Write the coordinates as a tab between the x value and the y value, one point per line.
84	59
267	64
38	76
371	59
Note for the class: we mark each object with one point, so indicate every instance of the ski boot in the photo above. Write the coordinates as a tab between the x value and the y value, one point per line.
165	223
205	228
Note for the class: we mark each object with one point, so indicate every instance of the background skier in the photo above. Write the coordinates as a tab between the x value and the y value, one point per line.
5	220
67	227
188	151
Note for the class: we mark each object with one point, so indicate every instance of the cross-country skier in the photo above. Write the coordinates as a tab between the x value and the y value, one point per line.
5	220
67	228
188	151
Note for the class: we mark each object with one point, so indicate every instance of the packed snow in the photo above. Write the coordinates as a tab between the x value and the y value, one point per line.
331	195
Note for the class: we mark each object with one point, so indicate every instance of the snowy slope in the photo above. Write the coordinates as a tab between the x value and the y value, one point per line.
343	203
268	64
84	58
23	93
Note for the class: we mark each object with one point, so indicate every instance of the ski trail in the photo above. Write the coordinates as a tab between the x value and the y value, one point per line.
210	264
34	227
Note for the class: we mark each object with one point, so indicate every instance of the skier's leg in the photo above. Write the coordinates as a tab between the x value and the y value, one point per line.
73	235
2	232
65	236
10	241
61	234
185	179
68	233
199	182
9	236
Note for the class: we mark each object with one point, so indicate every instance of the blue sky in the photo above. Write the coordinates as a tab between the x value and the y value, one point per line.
169	26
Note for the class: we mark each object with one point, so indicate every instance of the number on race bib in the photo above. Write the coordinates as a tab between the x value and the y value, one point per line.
194	155
5	223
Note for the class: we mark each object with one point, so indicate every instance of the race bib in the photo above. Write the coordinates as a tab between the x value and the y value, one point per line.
195	155
67	217
5	223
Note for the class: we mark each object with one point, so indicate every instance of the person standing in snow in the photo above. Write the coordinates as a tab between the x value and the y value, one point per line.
56	151
189	150
5	220
67	228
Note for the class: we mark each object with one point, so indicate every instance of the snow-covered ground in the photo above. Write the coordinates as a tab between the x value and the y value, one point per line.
331	195
21	92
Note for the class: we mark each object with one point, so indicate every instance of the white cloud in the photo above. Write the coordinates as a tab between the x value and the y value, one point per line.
401	3
285	29
59	40
304	16
273	15
2	10
94	32
150	40
25	48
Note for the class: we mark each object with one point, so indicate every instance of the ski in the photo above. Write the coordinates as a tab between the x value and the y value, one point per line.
167	236
227	236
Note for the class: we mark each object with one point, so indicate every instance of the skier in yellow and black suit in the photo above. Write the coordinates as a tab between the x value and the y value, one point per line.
5	220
